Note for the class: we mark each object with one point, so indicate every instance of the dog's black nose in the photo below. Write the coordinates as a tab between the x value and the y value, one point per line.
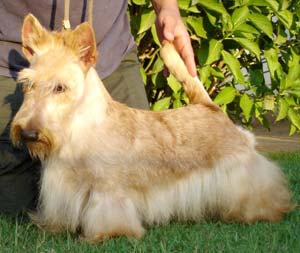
29	135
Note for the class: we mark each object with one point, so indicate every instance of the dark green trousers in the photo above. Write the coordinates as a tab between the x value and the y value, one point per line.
19	174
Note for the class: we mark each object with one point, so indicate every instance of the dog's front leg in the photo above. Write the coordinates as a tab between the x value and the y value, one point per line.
62	198
110	214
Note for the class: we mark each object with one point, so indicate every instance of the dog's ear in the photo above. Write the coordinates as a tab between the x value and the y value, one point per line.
32	33
86	44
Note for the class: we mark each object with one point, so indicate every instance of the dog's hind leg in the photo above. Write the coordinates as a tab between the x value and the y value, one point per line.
260	192
109	215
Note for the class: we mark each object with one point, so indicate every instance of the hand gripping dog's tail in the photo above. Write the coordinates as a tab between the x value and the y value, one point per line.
192	85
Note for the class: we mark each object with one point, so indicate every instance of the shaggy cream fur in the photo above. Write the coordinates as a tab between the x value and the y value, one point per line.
108	169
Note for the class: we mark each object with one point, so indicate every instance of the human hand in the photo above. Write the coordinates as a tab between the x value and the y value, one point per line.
170	27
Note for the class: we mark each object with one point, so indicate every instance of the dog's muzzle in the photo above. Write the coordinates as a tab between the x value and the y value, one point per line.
39	142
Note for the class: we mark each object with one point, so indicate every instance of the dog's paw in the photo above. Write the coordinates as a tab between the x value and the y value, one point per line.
137	234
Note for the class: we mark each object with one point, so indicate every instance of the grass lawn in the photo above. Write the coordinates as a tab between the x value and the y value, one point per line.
19	235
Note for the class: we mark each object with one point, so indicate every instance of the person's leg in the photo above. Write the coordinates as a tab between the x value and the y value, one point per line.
18	173
126	85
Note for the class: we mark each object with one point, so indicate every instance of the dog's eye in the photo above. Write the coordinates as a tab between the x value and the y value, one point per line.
59	88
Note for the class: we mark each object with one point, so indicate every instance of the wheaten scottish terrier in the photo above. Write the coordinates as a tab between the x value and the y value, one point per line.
109	169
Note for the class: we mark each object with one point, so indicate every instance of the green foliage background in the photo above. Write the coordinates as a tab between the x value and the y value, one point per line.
247	53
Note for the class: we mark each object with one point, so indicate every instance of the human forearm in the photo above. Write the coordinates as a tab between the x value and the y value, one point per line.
158	5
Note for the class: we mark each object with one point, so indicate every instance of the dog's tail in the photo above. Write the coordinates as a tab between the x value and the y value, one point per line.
191	85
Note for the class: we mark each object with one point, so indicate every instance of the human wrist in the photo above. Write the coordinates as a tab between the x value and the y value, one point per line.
160	5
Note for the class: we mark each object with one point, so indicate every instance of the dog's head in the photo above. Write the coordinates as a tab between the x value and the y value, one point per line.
53	84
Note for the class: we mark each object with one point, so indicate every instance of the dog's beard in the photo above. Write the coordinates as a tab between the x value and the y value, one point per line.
41	148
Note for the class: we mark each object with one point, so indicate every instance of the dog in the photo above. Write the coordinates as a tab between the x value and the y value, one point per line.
108	169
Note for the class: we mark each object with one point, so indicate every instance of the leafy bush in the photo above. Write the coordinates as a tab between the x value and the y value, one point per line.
247	53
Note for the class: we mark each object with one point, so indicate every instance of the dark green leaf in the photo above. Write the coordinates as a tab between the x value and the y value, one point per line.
234	65
154	35
158	80
204	73
281	35
227	25
273	63
214	51
185	98
193	9
269	103
291	101
202	52
286	17
284	82
257	3
283	109
224	108
240	15
246	105
248	36
217	72
213	5
256	77
197	24
293	130
262	23
284	4
246	28
294	118
162	104
294	68
139	2
259	114
143	74
158	65
225	96
147	20
273	4
177	103
184	4
250	45
212	18
174	84
176	95
295	91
